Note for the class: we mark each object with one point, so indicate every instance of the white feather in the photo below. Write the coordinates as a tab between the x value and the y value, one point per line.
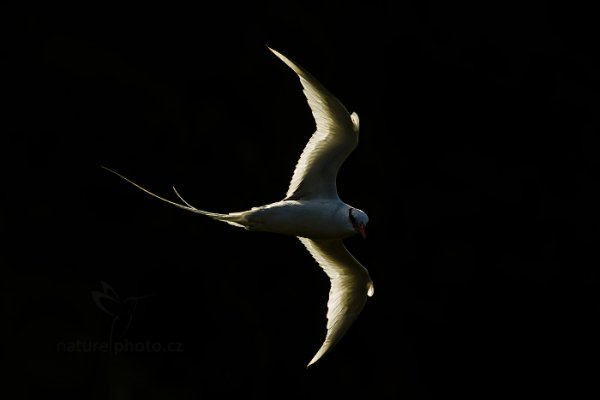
350	286
335	138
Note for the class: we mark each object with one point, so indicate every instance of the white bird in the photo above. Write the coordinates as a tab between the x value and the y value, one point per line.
312	209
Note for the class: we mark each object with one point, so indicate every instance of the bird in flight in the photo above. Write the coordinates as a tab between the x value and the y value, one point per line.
312	209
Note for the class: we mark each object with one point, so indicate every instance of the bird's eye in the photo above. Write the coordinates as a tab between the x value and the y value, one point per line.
352	219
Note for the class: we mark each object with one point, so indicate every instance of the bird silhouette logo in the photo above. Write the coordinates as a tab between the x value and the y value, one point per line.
121	311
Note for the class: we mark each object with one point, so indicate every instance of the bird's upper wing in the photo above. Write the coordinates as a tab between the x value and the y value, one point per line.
335	138
350	286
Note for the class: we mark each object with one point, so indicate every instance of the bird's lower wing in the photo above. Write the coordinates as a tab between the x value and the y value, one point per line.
350	286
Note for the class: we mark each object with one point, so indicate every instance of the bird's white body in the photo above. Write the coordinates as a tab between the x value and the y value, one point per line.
312	210
315	219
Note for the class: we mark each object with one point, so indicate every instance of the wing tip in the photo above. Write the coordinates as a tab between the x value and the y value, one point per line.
316	358
295	67
278	54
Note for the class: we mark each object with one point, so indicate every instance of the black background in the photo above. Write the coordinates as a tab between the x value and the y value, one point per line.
477	165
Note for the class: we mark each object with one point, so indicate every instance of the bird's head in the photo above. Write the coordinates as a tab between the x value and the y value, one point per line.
359	220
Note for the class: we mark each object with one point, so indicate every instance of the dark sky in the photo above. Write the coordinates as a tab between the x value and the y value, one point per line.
478	167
